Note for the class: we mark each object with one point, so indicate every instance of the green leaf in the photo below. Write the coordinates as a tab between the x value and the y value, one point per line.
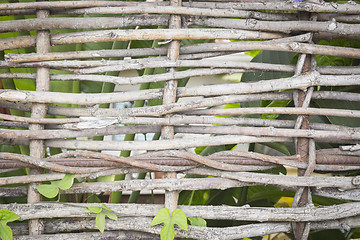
253	53
100	221
274	57
66	182
94	209
48	190
197	222
5	217
167	232
111	215
163	216
5	231
106	208
52	190
8	216
179	218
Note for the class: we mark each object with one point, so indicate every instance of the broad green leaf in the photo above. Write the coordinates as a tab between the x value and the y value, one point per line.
48	190
280	147
111	215
269	193
94	209
167	232
283	103
197	222
100	221
8	216
222	197
333	60
336	104
66	182
163	216
5	231
274	57
179	218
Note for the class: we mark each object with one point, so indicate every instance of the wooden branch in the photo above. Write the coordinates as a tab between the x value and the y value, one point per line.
143	224
347	8
277	26
301	214
280	180
299	82
83	23
140	34
161	144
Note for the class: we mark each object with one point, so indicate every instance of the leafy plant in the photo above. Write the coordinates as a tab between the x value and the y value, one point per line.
5	217
163	216
101	213
52	190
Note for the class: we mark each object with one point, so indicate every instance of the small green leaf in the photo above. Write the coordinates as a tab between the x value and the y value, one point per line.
5	231
66	182
8	216
111	215
106	208
94	209
162	216
52	190
48	190
179	218
100	221
167	232
197	222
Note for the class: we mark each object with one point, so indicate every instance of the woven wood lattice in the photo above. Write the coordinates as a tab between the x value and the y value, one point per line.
187	40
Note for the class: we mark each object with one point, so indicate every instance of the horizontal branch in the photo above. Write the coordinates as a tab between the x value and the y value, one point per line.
279	110
299	82
208	102
173	184
186	52
347	8
275	45
157	62
281	180
319	135
155	184
83	23
301	214
179	10
204	63
161	144
119	235
277	26
67	4
139	34
48	165
143	224
241	161
128	80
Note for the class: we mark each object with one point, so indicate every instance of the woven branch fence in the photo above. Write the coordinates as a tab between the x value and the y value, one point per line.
189	35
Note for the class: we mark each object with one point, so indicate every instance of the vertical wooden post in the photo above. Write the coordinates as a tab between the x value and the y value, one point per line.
302	196
167	132
37	148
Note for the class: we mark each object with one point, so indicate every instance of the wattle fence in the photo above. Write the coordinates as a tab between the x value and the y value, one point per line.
303	102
